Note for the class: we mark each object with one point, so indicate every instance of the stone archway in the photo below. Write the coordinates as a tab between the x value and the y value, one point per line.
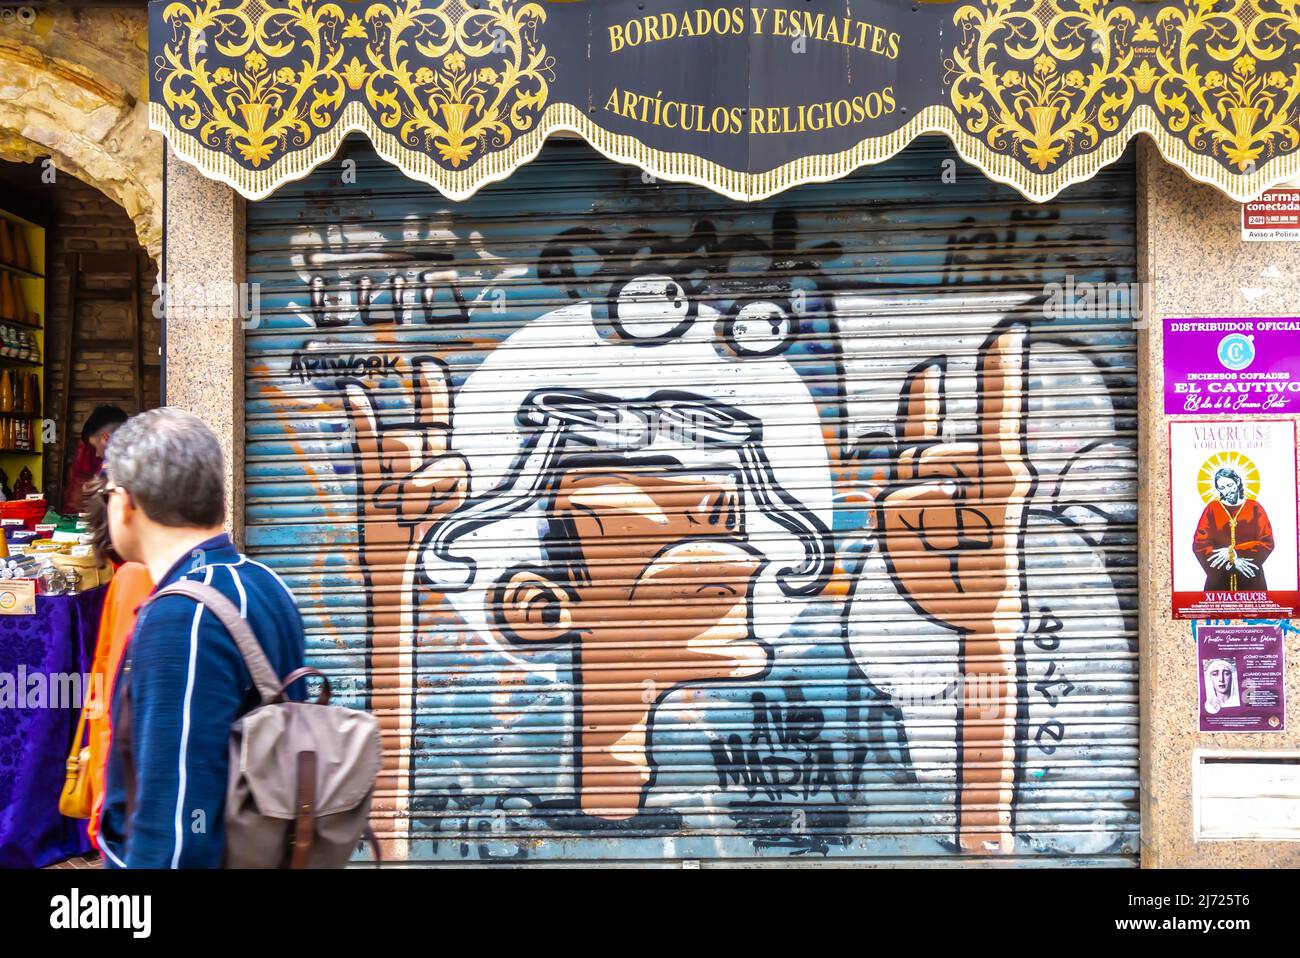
88	124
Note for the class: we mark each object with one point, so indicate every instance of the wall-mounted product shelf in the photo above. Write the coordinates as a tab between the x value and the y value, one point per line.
23	309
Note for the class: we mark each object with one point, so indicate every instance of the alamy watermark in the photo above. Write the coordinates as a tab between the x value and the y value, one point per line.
243	301
986	695
52	690
89	912
1074	300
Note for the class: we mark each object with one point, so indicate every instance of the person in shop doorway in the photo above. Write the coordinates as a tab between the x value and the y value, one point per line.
182	673
89	457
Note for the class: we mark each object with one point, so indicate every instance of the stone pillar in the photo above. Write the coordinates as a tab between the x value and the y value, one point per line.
204	363
1195	265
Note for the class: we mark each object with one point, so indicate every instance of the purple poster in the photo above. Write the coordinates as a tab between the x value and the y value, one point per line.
1243	678
1223	366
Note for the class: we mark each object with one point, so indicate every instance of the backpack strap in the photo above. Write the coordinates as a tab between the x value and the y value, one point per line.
304	826
259	666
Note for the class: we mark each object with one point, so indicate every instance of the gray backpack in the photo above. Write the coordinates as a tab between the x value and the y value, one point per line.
302	774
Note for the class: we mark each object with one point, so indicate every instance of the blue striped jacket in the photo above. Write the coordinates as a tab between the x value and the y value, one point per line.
188	684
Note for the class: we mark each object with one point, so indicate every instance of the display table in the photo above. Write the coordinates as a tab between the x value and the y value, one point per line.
34	742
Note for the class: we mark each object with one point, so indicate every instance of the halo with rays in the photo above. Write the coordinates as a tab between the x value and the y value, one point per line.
1235	461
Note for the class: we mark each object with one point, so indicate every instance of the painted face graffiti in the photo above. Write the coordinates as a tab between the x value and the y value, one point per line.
642	526
686	555
647	569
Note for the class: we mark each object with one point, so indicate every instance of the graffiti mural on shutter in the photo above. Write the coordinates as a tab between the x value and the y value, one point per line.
658	526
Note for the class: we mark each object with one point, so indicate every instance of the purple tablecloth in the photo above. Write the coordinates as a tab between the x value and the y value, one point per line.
58	640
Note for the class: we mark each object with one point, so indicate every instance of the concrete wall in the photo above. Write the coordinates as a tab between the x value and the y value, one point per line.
1191	251
205	341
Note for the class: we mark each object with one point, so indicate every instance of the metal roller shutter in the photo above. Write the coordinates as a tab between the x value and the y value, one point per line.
657	526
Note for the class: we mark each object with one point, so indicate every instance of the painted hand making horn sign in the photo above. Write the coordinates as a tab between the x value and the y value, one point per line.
952	530
407	480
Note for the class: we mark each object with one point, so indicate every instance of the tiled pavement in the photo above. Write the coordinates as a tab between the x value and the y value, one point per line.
86	861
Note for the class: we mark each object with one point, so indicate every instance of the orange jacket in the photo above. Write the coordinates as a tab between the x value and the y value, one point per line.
129	587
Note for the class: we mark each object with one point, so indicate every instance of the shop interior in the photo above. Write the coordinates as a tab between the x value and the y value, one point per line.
77	331
79	352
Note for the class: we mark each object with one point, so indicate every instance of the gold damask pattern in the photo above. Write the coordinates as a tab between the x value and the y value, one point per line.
1046	80
258	81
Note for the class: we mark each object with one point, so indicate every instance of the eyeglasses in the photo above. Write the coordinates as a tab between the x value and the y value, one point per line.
106	493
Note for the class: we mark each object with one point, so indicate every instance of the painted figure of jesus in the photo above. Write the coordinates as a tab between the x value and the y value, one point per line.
1233	538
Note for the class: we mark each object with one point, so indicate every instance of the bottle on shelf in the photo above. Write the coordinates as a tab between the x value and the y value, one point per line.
22	256
34	396
20	303
6	394
8	297
6	243
20	312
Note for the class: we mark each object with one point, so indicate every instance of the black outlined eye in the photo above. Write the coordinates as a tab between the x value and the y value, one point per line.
759	329
651	310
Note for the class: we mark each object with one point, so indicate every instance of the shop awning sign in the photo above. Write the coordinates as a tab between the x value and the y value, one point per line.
747	99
